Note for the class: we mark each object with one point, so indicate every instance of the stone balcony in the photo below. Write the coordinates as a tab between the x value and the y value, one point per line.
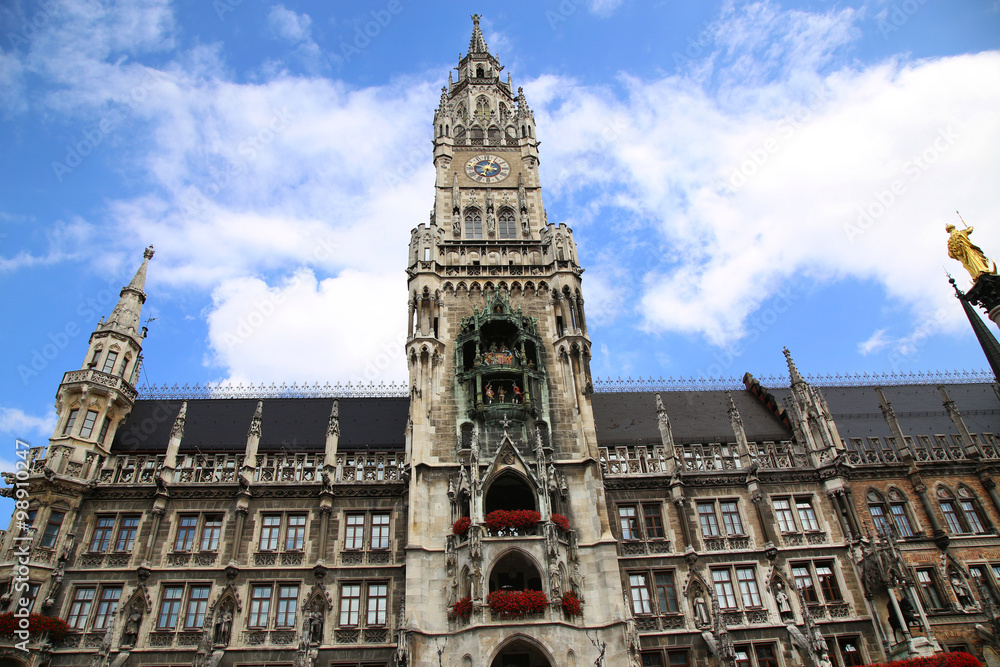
95	378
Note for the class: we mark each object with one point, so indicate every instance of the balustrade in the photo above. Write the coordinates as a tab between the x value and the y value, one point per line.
209	468
366	468
288	467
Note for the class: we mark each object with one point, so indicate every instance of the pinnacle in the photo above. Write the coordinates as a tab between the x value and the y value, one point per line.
793	372
477	44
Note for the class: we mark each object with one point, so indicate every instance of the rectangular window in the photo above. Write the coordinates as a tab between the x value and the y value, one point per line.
807	516
666	592
88	423
260	606
783	512
269	532
828	582
295	534
724	592
731	518
79	610
901	520
629	523
355	534
925	578
109	362
804	582
380	531
186	526
70	421
104	430
709	522
641	603
654	521
197	605
52	529
378	603
126	533
350	604
651	660
951	516
851	652
288	595
742	656
878	516
107	606
210	532
170	607
678	658
766	656
748	586
972	516
102	533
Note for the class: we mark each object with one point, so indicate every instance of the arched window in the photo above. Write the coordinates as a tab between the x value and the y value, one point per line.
493	133
504	113
473	224
479	72
483	108
963	514
506	225
892	513
459	135
125	363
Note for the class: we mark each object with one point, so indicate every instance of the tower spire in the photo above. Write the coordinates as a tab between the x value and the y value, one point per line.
477	44
793	372
991	348
125	316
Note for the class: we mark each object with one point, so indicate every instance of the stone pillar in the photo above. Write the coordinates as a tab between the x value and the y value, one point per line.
324	530
940	537
763	516
143	550
680	502
991	488
234	547
968	446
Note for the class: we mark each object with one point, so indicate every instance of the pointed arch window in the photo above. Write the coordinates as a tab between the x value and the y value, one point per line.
962	513
504	113
483	108
109	362
506	225
893	513
473	224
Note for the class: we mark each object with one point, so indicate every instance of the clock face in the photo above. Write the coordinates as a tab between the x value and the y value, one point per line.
487	169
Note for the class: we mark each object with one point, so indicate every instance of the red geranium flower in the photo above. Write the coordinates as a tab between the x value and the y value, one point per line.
571	604
461	527
561	521
461	609
37	624
517	603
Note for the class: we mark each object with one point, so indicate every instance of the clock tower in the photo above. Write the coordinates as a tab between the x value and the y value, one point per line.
510	559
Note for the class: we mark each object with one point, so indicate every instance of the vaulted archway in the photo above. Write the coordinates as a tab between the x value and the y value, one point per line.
521	652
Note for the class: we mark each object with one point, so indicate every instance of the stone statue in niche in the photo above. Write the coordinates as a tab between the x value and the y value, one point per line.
554	579
130	635
962	591
224	627
701	616
784	605
316	623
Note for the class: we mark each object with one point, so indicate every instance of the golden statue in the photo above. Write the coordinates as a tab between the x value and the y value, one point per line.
967	252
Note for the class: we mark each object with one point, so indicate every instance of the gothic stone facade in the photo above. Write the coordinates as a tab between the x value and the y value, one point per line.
760	527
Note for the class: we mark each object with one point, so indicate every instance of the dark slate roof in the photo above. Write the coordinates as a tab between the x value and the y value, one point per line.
695	416
292	424
918	407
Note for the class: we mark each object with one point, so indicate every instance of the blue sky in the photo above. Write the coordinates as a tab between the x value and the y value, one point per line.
740	177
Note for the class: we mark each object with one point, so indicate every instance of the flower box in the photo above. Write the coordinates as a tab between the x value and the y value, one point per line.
516	604
518	522
560	521
37	624
957	659
461	609
571	604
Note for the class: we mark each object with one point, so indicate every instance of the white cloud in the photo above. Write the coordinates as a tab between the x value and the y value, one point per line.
604	7
16	423
289	25
877	341
308	329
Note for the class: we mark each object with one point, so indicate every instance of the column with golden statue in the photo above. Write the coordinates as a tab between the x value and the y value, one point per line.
985	290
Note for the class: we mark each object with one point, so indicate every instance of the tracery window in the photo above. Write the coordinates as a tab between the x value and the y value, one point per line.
962	514
482	109
473	224
506	225
892	513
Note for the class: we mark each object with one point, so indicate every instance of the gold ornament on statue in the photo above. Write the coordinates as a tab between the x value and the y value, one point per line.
960	247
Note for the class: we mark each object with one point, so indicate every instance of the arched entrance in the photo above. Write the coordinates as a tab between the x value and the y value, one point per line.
11	662
514	571
520	653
